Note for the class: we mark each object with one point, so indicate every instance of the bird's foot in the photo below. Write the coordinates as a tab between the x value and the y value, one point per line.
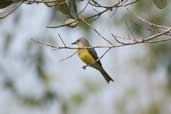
84	67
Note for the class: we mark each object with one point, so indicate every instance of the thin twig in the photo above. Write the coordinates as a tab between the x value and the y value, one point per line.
118	40
85	7
159	41
130	31
83	20
150	23
10	12
158	34
62	40
45	44
69	56
123	37
143	40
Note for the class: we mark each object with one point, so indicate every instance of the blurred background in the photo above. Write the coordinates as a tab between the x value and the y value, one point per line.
34	80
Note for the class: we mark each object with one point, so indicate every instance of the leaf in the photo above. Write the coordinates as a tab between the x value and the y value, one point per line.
60	5
77	98
49	3
4	4
160	3
71	22
9	7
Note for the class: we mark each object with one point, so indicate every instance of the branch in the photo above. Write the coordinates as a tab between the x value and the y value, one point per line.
150	23
68	57
62	40
130	41
9	11
101	36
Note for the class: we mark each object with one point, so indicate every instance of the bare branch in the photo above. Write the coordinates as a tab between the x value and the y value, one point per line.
85	7
10	11
69	56
118	41
62	40
130	42
150	23
83	20
158	34
45	44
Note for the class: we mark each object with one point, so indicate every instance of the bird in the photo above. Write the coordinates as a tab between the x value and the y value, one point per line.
89	57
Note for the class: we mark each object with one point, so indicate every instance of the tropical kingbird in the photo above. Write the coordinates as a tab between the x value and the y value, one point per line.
89	56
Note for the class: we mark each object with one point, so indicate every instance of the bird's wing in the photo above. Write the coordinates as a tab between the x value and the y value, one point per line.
94	54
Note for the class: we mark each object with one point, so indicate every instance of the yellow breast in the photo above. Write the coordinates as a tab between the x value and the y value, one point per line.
86	57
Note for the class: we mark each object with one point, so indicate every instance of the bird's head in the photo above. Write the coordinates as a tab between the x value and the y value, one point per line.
82	42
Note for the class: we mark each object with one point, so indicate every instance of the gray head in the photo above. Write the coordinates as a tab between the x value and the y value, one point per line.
82	42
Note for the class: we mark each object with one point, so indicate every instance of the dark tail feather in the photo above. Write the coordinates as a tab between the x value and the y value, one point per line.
105	75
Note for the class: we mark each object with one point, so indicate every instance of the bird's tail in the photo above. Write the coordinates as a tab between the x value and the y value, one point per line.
105	75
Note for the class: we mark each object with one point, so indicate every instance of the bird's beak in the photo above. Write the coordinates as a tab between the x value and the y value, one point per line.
74	43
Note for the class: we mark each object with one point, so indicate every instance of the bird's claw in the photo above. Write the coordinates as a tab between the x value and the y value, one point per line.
84	67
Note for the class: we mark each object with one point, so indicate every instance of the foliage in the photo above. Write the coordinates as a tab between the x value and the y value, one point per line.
33	60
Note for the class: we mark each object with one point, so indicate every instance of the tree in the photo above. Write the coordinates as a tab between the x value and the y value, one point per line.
138	22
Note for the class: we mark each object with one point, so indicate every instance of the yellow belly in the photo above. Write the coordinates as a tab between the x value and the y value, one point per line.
86	57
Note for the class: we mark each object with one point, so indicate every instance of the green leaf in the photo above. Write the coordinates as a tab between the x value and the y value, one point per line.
4	4
71	22
77	98
60	5
50	3
160	3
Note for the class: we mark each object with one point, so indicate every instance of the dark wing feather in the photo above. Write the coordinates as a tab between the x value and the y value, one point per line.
94	54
